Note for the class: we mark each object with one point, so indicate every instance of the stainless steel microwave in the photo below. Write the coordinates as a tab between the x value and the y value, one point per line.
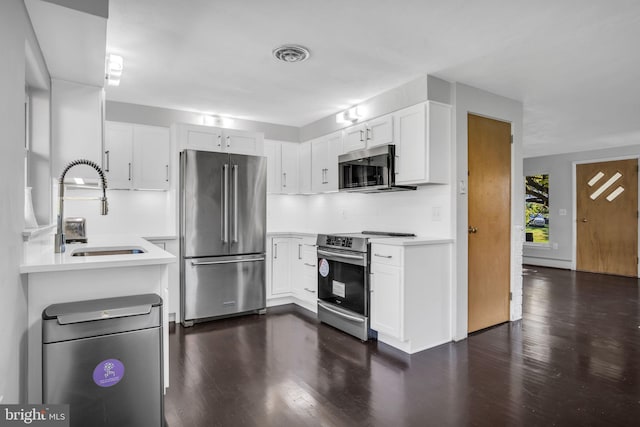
369	171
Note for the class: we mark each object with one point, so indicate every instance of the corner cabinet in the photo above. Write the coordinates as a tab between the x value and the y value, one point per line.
209	138
137	156
422	135
410	304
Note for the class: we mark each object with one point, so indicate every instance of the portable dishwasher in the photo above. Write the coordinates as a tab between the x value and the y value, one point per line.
104	358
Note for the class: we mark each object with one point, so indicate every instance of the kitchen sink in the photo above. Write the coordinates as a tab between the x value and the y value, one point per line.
85	251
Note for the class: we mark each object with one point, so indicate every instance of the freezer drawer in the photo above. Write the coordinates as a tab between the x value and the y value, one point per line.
220	286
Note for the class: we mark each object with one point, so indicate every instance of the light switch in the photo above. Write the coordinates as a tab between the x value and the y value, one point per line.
462	187
562	212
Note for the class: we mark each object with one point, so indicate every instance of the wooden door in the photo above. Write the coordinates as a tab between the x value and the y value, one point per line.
607	215
489	151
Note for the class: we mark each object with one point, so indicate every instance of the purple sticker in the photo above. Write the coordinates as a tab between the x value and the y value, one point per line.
108	373
324	268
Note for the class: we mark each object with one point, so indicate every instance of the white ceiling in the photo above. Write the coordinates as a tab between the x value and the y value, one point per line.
574	64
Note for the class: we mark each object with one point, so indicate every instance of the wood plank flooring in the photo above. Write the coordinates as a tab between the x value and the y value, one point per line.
574	360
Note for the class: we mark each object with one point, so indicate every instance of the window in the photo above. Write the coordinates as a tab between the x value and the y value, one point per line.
537	209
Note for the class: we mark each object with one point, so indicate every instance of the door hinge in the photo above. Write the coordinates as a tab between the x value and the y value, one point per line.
510	296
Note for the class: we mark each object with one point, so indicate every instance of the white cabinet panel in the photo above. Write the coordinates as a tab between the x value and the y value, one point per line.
137	156
209	138
386	299
422	135
281	266
272	151
289	168
354	138
118	155
369	134
151	148
304	168
324	163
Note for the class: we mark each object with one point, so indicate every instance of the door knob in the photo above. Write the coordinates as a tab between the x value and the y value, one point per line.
473	230
584	220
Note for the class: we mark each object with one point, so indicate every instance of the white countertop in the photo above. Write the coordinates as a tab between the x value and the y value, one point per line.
411	241
41	258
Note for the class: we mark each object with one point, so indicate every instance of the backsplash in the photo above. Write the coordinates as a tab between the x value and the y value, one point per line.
425	212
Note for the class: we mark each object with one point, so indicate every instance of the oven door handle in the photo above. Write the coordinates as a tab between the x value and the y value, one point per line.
341	314
340	255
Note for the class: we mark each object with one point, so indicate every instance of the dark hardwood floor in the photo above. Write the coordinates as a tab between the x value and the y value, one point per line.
574	360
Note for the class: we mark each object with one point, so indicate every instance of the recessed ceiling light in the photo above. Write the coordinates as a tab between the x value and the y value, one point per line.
291	53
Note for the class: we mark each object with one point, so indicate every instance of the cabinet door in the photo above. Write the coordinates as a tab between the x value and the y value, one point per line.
280	266
379	131
118	154
354	138
309	288
203	138
289	168
151	153
410	144
272	153
334	149
319	150
243	142
304	168
386	300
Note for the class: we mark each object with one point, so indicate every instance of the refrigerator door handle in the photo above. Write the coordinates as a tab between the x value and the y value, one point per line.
235	203
229	261
225	203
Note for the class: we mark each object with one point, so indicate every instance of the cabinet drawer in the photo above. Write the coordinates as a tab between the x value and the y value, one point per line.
384	254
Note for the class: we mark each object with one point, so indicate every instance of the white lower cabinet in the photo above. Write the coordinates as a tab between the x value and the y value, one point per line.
291	271
411	294
280	266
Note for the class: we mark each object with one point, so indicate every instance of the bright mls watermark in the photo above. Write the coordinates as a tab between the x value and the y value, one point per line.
34	415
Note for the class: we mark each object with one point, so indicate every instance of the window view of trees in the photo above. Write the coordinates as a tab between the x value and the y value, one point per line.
537	208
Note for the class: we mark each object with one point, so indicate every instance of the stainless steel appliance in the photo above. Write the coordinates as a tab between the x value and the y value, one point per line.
369	171
343	280
222	234
104	359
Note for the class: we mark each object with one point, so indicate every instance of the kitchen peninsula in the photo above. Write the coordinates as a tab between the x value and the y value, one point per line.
51	278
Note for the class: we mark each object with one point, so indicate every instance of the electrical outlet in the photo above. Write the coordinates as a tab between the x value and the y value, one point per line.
562	212
555	245
436	213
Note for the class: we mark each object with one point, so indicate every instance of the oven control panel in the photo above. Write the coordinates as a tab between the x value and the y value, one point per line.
339	241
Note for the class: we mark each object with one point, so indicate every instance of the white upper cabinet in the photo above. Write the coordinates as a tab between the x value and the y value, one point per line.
304	168
136	156
282	167
324	162
209	138
369	134
422	136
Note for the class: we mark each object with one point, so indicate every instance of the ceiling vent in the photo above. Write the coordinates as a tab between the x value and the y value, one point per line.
291	53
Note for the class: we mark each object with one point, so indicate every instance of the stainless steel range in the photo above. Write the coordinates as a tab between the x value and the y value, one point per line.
343	280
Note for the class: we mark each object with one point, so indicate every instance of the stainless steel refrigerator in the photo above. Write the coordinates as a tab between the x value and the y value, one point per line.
222	234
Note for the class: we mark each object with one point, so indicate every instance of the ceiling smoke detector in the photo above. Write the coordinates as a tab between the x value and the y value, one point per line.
291	53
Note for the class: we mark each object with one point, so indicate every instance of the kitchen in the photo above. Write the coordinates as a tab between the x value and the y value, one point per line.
434	211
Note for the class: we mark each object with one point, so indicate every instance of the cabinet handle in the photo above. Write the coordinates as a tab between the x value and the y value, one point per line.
361	135
228	141
129	171
310	290
368	134
383	256
299	251
167	167
284	179
397	171
275	251
219	140
309	265
106	169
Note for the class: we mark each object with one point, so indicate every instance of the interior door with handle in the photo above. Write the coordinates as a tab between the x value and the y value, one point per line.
607	213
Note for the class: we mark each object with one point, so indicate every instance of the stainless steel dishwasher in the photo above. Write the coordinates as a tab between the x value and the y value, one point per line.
104	358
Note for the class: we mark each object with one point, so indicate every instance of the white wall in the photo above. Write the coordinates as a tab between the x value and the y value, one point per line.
561	197
476	101
14	27
402	211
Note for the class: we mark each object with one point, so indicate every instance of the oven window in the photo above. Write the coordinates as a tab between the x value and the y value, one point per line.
342	284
